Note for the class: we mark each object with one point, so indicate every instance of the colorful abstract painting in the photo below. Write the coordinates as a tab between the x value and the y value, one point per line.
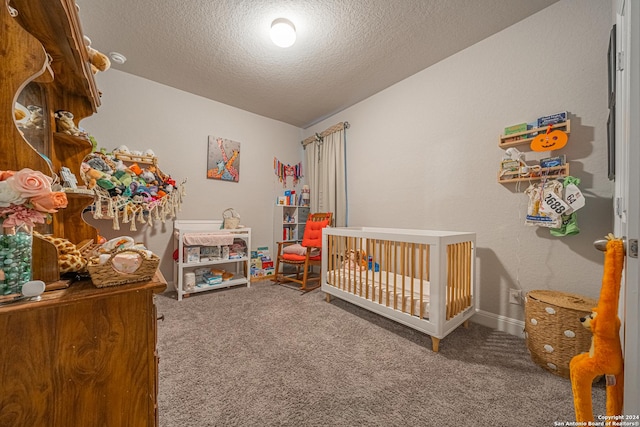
223	159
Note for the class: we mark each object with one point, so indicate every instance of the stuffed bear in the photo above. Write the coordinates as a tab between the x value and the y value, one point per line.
605	355
65	124
98	60
36	119
355	260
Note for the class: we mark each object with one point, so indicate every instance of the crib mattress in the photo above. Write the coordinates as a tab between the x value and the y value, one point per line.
378	288
206	239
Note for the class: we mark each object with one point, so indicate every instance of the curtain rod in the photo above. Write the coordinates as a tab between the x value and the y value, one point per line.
332	129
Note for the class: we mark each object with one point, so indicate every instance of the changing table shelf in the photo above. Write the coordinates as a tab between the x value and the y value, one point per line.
203	246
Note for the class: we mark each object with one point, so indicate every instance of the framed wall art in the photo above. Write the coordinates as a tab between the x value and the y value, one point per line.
223	159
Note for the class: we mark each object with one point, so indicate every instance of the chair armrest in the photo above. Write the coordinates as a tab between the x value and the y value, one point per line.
282	245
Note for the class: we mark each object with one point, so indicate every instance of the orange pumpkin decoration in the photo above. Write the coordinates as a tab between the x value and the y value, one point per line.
553	140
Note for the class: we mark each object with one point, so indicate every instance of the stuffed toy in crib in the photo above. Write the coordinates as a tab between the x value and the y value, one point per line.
355	260
605	355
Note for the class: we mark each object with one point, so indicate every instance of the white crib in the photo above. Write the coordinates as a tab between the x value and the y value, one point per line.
423	279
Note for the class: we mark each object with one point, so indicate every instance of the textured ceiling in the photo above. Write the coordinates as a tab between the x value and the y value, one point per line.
346	50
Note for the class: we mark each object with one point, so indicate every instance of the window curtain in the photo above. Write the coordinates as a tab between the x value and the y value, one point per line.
326	173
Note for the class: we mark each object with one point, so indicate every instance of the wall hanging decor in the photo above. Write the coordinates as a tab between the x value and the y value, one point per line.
129	186
283	171
223	159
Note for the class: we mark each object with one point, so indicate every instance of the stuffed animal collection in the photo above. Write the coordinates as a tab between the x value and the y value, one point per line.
605	355
140	185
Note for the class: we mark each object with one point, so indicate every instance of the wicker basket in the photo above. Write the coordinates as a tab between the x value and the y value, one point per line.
553	329
105	274
230	218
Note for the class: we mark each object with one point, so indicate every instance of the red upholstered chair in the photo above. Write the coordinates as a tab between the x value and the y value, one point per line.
303	256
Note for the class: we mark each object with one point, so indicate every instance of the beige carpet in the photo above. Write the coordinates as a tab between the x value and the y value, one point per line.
269	356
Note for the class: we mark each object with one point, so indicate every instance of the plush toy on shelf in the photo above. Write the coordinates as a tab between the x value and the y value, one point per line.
65	124
605	355
99	61
36	118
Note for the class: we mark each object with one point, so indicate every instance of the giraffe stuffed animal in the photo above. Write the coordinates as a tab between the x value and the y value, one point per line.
605	355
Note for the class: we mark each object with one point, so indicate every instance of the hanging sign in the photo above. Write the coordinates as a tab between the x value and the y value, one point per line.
573	196
283	171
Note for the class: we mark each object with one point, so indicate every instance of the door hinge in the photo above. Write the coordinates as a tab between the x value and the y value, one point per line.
632	245
620	60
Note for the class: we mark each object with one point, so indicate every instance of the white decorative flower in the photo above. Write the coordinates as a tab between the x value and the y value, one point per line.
8	195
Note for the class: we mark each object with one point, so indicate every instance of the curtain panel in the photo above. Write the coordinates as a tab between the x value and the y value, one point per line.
326	174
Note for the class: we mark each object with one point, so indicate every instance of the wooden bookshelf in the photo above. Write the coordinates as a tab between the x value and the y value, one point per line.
506	141
553	172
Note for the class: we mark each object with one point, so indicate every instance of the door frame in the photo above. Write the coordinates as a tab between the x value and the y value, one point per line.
627	187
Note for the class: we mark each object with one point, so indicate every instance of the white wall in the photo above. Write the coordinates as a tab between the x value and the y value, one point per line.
143	114
433	140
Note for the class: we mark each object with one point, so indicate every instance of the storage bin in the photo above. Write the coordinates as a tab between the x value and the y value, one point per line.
553	330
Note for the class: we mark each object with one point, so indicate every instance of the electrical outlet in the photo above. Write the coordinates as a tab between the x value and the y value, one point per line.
514	296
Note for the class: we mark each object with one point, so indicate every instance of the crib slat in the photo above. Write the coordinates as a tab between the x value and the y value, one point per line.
420	309
360	261
459	278
385	264
403	271
454	308
449	283
395	276
375	244
412	270
340	249
467	267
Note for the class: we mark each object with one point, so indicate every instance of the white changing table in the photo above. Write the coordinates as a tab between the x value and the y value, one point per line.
185	229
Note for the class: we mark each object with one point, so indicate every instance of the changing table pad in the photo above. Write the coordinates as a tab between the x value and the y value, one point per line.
206	239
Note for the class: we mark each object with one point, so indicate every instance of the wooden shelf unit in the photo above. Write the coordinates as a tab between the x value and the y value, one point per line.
553	172
44	63
81	355
289	223
240	266
504	142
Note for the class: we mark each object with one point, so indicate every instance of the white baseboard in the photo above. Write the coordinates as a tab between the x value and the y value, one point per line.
501	323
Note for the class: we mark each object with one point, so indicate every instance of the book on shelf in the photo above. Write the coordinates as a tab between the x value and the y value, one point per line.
552	119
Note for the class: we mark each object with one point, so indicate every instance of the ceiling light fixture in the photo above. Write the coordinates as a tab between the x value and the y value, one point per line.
283	32
117	57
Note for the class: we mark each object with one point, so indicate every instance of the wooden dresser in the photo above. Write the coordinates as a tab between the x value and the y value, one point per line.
81	356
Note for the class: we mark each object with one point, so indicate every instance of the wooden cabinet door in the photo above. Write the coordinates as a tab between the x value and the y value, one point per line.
90	362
